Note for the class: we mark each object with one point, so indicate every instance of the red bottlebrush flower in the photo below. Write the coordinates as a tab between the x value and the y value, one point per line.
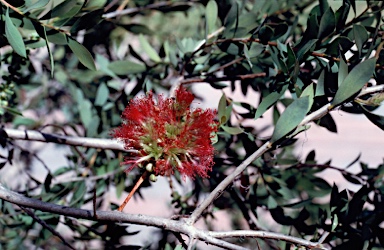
168	134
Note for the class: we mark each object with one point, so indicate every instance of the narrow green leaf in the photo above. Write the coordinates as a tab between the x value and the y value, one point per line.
94	5
82	54
221	109
327	24
85	108
49	52
66	9
228	111
37	5
246	54
78	194
151	52
265	34
354	81
320	84
290	118
57	38
20	120
360	35
232	130
271	203
375	119
211	12
335	222
170	53
267	102
12	111
103	65
101	95
309	91
305	48
126	67
13	36
343	71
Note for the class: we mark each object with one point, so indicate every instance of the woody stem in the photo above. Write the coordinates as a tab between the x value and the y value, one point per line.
137	185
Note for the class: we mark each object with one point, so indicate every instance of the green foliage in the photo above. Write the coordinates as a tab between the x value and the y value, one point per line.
71	67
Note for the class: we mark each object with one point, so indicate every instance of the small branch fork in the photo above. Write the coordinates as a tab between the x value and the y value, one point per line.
184	226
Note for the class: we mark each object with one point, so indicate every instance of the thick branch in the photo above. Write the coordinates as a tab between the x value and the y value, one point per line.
33	135
266	235
209	237
115	216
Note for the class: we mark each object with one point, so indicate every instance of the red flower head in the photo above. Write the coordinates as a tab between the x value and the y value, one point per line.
168	134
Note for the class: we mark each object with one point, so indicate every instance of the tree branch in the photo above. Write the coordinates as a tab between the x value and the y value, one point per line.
210	237
267	235
226	182
115	216
230	178
33	135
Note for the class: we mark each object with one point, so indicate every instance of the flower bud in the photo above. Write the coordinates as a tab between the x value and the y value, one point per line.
153	178
149	167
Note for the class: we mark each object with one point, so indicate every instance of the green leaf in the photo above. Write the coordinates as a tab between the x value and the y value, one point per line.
126	67
13	36
290	118
94	4
246	54
306	47
57	37
221	109
335	222
52	62
78	194
102	95
151	52
211	12
268	101
265	34
320	84
271	202
327	24
85	109
82	53
354	81
138	29
103	65
12	111
309	91
232	130
66	9
360	35
20	120
37	5
343	71
375	119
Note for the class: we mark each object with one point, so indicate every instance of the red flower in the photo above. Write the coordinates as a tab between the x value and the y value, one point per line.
168	134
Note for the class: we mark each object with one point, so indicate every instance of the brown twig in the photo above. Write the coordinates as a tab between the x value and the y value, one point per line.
122	5
137	185
223	78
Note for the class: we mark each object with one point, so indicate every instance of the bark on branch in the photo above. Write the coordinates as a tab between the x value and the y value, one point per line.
33	135
181	226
